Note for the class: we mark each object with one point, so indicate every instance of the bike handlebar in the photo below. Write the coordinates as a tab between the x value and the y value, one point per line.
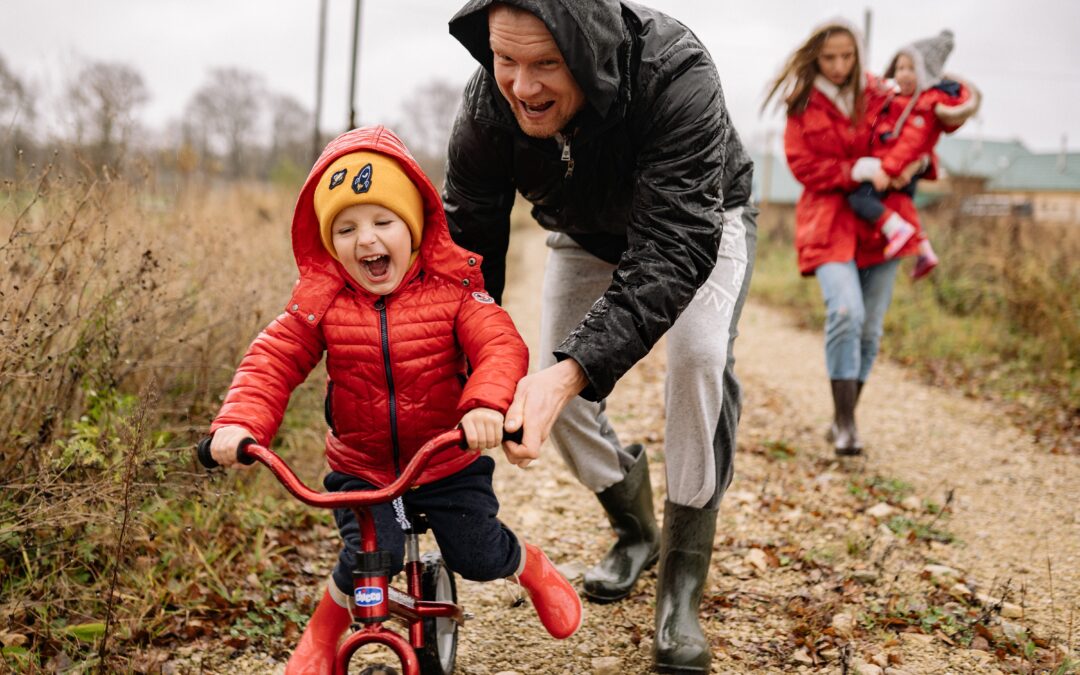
249	452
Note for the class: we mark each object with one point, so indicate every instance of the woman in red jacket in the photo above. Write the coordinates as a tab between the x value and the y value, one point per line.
831	103
400	312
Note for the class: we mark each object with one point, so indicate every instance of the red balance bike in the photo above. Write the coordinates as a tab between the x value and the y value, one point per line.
429	607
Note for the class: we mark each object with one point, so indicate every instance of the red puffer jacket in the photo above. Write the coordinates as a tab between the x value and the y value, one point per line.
396	363
821	146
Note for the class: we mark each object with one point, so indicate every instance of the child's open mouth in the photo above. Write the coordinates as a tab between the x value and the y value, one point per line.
377	265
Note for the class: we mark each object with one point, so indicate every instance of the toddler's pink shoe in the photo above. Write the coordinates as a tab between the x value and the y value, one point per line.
898	232
924	265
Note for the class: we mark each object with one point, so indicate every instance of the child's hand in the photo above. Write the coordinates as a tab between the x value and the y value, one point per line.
910	171
223	446
881	180
483	428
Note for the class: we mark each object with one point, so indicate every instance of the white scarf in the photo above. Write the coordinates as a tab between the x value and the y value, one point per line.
842	98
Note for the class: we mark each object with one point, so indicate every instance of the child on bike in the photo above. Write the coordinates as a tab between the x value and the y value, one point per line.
911	122
402	316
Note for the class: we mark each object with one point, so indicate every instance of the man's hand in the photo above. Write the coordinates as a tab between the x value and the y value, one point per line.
482	427
224	444
539	399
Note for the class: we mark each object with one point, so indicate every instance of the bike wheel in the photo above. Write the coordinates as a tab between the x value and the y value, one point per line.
439	652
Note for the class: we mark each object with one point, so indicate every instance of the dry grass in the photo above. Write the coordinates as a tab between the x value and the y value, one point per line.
122	315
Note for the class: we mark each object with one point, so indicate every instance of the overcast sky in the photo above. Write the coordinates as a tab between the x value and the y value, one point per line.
1025	56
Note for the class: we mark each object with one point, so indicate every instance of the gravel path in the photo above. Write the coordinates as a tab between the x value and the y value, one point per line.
806	573
1016	508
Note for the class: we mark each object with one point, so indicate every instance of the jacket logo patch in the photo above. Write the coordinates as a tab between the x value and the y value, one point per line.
337	179
918	121
480	296
362	182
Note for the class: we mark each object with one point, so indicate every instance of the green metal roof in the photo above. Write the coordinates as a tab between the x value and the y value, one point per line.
1008	164
977	157
1038	173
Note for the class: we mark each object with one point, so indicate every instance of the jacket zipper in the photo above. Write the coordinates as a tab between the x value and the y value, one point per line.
566	156
384	334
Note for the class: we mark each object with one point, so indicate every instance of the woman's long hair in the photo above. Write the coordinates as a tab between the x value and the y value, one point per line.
796	78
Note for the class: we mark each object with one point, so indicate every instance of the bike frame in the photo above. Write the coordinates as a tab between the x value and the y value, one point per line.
381	601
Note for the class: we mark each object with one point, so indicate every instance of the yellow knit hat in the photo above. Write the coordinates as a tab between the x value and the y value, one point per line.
367	178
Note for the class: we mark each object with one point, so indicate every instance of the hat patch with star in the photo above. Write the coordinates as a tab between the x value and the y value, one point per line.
337	179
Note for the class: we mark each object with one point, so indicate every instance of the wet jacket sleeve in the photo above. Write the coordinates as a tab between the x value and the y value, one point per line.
496	352
277	362
675	224
815	157
479	194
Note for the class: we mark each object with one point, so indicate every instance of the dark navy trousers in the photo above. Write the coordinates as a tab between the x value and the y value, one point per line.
865	201
461	511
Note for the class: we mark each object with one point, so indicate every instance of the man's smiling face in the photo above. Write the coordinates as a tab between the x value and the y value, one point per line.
531	72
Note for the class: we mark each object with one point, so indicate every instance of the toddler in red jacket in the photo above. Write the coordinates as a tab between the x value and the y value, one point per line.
909	126
400	312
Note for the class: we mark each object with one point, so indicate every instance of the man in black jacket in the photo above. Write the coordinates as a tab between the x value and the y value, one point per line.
610	119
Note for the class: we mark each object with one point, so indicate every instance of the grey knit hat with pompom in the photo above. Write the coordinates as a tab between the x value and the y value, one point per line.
929	56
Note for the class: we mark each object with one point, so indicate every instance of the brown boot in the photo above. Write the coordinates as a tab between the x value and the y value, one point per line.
318	645
830	433
846	441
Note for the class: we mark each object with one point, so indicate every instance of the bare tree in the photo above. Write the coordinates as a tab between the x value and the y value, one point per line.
290	131
227	109
103	98
429	114
16	103
16	115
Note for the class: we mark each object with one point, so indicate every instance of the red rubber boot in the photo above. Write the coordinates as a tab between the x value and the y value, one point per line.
555	600
318	645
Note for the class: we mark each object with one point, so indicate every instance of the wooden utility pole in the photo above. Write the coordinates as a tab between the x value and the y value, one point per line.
868	16
316	139
766	175
353	113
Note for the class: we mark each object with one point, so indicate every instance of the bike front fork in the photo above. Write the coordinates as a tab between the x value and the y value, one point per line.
371	606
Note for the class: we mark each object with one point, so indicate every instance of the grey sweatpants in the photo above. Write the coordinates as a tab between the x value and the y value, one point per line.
702	397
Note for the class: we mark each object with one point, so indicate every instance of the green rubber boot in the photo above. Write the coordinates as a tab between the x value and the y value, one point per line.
679	645
629	509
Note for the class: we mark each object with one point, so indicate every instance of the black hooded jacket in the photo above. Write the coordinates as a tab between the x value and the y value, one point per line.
653	161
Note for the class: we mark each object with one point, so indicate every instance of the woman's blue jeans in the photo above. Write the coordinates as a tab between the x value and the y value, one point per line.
855	305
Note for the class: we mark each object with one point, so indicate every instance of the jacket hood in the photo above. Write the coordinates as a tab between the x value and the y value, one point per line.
840	23
589	34
321	277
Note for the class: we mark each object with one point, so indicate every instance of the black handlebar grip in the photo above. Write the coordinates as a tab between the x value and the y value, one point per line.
242	456
206	458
